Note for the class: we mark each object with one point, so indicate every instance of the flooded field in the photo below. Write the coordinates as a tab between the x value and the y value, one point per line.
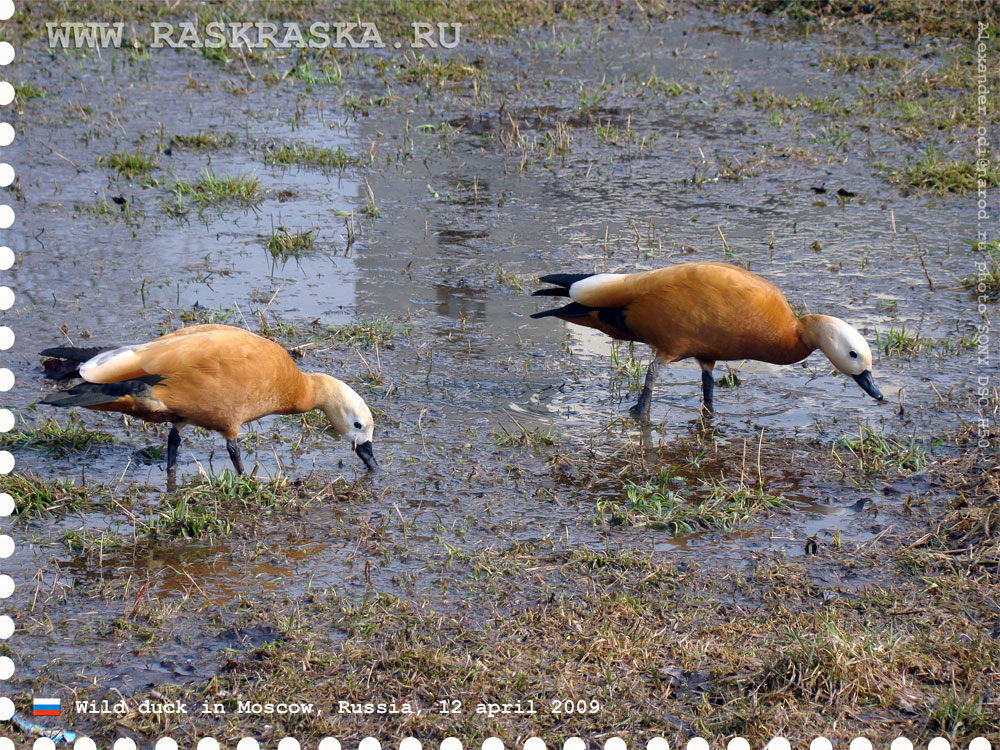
809	561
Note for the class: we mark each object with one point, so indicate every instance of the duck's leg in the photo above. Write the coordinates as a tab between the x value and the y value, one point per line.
707	386
640	411
234	453
173	443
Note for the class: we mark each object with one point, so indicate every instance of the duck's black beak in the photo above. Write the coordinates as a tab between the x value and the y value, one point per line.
866	382
364	451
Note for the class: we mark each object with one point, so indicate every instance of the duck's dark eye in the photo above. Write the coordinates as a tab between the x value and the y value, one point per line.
854	355
358	425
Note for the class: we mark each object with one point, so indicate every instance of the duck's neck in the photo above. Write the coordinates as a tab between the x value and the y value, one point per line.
814	330
326	393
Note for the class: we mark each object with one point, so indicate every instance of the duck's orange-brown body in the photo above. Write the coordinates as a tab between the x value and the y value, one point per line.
710	311
212	376
216	377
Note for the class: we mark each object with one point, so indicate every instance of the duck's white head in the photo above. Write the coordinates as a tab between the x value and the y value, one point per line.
845	347
348	413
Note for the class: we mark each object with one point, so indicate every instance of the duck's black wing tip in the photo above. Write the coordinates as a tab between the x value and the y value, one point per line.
572	310
565	280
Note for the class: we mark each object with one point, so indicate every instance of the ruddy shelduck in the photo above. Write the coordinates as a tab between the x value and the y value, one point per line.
212	376
709	311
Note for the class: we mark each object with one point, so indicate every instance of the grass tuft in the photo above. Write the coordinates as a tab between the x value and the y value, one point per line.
308	155
985	284
54	437
204	140
129	165
525	438
210	188
876	453
426	70
215	505
626	369
654	504
37	497
937	173
380	331
899	341
285	244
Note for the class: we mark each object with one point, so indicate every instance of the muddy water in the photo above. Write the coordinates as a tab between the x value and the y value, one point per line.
458	216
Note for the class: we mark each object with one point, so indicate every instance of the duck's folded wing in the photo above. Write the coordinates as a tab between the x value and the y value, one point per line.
604	290
113	366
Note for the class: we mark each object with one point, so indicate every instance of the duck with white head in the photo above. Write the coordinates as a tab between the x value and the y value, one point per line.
710	312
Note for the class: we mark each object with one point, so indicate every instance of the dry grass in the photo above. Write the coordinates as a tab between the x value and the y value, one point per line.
916	17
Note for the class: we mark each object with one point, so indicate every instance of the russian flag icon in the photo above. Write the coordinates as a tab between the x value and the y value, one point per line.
46	707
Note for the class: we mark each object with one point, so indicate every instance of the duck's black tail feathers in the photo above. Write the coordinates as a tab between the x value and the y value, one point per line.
94	394
565	280
75	353
562	281
572	310
64	361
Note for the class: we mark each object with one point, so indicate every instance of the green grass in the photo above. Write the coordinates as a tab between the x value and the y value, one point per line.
210	188
962	715
36	497
655	504
26	91
96	543
285	244
205	508
875	453
985	283
216	505
304	154
117	208
204	140
852	62
274	328
204	315
419	68
525	438
730	380
626	368
328	75
940	174
899	341
189	518
508	279
833	664
129	165
380	331
59	439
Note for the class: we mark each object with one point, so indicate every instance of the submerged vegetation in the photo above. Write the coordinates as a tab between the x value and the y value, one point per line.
874	452
284	243
660	504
